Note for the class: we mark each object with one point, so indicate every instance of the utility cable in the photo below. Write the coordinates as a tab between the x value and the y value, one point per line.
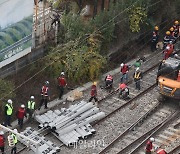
41	69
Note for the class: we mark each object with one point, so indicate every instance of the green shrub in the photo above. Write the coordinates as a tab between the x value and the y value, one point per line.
6	90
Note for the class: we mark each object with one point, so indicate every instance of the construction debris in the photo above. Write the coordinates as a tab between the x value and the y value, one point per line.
69	125
75	95
45	146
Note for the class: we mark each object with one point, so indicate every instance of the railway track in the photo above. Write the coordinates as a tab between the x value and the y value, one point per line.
111	104
163	137
133	135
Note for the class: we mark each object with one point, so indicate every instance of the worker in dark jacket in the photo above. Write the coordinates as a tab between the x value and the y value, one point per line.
93	92
2	142
8	113
21	113
149	146
137	77
109	81
62	84
172	35
44	95
155	38
166	39
176	27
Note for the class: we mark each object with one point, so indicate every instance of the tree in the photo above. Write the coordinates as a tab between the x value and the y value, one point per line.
6	89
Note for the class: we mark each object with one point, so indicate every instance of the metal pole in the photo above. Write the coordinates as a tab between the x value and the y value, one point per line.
36	15
20	135
44	17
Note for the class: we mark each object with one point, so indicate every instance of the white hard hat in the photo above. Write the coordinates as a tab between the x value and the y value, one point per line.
62	73
9	101
167	47
176	55
122	64
156	148
137	69
47	82
15	130
32	97
1	133
151	139
22	106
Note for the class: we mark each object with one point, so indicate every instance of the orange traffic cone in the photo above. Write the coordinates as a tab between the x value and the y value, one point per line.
178	78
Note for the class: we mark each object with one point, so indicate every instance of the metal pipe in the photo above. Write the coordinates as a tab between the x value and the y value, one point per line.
20	135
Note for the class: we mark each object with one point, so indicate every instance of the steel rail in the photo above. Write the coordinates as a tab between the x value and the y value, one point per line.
153	130
128	102
166	122
129	128
174	150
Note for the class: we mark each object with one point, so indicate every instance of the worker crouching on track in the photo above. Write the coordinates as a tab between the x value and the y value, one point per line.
109	81
149	146
21	113
124	91
2	142
93	92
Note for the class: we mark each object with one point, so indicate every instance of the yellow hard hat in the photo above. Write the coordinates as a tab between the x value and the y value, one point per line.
176	22
171	29
95	83
168	33
156	28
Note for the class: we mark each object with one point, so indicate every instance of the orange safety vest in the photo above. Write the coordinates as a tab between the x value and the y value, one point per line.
44	91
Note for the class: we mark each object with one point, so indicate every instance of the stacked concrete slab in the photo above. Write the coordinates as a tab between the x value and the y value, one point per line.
69	125
45	146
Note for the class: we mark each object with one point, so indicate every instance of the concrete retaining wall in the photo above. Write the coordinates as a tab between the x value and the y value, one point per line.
18	61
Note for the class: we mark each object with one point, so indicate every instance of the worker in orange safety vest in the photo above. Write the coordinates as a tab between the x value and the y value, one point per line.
109	81
44	95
